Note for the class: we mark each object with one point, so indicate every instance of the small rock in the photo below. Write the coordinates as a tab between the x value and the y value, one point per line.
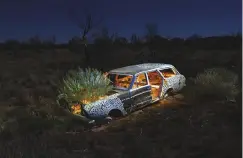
92	121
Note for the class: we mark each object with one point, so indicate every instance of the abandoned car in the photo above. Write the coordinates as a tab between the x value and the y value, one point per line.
135	87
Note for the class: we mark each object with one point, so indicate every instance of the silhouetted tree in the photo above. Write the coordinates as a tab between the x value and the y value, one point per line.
135	39
194	37
74	43
120	41
34	43
75	40
176	42
53	39
50	42
104	37
151	31
86	25
35	40
105	33
12	44
194	41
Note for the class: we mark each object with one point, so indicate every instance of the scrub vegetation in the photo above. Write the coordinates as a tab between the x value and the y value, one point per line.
204	120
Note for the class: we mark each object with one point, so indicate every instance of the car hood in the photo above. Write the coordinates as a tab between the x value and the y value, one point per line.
99	103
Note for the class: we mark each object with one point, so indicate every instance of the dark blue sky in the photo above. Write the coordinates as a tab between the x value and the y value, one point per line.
20	19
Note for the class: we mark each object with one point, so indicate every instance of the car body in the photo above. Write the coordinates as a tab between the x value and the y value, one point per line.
136	86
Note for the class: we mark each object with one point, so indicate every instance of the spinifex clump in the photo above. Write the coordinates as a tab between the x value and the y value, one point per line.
214	83
82	87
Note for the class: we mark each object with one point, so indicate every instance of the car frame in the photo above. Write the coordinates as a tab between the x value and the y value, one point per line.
140	87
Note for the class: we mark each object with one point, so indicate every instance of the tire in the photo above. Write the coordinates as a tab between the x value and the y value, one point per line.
115	114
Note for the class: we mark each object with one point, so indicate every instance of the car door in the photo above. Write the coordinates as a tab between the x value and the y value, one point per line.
172	78
155	79
126	100
140	92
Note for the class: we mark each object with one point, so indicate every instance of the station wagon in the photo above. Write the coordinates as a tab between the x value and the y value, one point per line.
135	86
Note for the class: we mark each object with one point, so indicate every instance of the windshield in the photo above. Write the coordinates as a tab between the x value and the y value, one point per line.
120	81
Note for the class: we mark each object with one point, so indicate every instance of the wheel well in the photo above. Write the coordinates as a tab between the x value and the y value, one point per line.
170	90
115	113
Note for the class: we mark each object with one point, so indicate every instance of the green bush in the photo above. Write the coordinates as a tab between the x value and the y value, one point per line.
213	84
81	85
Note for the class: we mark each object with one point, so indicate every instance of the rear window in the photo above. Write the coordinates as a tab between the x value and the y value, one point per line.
167	72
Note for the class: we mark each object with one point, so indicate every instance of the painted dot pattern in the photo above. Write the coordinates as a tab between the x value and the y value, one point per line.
103	107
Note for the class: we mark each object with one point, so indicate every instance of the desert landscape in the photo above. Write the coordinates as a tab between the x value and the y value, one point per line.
206	124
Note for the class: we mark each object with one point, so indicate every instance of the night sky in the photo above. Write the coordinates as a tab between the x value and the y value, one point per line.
21	19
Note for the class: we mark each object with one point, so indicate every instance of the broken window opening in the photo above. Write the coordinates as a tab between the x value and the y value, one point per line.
167	73
140	81
155	81
120	81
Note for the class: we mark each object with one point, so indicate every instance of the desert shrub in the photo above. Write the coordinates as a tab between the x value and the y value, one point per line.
22	120
83	86
214	83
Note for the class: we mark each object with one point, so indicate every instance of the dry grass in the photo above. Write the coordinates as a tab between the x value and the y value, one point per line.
213	84
33	126
186	131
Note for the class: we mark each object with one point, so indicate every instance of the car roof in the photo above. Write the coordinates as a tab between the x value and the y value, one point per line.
134	69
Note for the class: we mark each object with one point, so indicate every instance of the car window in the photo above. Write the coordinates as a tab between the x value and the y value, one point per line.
167	72
140	81
154	78
120	81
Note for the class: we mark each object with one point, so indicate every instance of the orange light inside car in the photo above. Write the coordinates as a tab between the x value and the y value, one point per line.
76	108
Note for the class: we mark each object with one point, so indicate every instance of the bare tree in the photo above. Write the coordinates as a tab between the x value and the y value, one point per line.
134	39
86	24
151	30
104	37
